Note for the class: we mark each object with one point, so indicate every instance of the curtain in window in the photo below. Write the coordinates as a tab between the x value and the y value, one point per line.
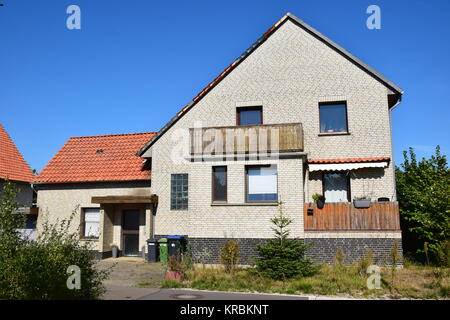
91	222
335	187
262	183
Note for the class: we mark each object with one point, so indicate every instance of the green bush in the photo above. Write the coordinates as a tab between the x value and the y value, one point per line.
282	257
424	199
38	269
229	255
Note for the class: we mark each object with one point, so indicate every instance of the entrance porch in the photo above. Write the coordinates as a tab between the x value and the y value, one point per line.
127	222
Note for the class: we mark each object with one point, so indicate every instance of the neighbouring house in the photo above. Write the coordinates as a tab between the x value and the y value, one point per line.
295	115
14	168
107	187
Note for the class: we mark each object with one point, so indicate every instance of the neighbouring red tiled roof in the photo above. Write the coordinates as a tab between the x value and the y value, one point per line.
12	165
98	158
349	160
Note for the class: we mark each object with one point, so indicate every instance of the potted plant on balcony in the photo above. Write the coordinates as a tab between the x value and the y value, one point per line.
319	200
362	202
115	250
175	269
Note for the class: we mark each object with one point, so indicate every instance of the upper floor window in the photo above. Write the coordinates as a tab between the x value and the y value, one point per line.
261	183
179	191
249	116
90	222
333	117
219	183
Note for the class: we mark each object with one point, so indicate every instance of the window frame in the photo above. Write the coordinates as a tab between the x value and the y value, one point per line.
213	185
330	103
349	190
246	183
83	223
172	192
248	108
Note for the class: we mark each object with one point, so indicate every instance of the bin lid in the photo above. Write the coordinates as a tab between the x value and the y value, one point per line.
175	237
162	240
151	240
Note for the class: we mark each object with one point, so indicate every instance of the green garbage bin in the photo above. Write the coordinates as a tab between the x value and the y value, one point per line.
163	249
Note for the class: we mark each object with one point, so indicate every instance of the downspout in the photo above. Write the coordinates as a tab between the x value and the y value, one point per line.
394	195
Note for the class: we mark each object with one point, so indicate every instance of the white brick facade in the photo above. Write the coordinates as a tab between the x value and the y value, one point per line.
289	75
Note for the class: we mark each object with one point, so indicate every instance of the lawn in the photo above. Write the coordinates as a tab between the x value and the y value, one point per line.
412	281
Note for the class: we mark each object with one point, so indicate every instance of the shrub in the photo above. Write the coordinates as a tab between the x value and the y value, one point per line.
339	257
173	264
229	255
365	262
38	269
282	258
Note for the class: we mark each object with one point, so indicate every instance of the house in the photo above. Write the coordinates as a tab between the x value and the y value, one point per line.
14	168
100	167
295	115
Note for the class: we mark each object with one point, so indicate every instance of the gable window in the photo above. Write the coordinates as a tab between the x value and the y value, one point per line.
179	191
336	187
219	183
261	184
248	116
333	117
90	223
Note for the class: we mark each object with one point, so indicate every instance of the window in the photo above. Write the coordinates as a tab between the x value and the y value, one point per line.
333	117
219	183
249	116
261	184
336	187
179	192
90	223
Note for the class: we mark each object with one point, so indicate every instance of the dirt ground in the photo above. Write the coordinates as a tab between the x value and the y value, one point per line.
133	272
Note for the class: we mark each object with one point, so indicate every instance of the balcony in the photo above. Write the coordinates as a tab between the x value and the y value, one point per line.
263	139
345	217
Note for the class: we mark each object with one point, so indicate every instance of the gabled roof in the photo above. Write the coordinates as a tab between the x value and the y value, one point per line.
98	158
12	165
397	91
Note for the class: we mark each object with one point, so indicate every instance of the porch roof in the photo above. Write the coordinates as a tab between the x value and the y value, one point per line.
125	199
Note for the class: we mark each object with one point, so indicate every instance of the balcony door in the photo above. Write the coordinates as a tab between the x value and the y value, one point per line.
130	232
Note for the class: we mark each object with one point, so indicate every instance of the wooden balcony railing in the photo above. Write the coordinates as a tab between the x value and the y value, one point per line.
345	217
267	138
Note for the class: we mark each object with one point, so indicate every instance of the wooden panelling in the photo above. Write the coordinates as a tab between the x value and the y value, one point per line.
345	217
247	139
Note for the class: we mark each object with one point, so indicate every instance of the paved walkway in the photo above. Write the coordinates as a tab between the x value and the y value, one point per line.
135	279
132	272
129	293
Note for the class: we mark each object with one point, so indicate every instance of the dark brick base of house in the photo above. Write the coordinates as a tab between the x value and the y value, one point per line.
324	250
206	250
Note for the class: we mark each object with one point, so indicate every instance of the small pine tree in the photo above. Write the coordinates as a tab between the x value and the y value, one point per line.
283	257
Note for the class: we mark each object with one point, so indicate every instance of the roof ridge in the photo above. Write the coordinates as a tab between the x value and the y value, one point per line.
115	135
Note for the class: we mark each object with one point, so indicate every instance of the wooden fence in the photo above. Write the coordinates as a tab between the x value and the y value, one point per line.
345	217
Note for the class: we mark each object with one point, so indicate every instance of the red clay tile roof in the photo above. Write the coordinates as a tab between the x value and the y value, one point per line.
98	158
349	160
12	165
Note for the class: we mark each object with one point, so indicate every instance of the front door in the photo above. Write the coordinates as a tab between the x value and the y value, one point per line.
130	232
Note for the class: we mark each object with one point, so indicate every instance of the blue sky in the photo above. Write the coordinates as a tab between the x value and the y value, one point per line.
135	63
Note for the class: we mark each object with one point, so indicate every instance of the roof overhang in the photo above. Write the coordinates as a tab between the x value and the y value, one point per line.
125	199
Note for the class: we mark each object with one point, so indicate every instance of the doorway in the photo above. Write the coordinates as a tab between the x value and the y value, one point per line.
130	232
